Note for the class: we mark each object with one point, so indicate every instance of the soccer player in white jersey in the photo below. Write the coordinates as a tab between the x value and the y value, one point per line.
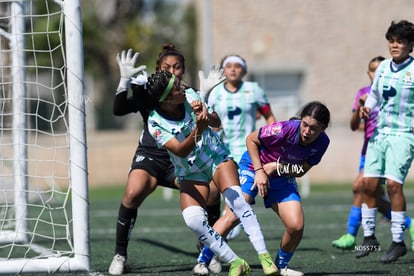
348	240
391	149
237	103
151	166
181	124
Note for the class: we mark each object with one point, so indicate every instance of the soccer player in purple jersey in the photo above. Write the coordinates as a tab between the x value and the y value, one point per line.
277	154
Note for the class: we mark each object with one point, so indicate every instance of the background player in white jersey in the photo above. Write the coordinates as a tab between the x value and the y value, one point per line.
348	240
237	102
391	149
181	123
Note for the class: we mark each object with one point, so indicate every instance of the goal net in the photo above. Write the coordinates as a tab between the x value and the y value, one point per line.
44	223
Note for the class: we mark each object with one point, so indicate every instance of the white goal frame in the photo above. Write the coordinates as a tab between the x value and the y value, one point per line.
22	234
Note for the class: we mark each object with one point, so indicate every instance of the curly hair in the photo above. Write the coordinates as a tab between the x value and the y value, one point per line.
403	30
157	83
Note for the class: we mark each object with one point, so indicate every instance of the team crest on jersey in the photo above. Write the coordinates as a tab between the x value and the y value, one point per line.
276	129
273	130
407	77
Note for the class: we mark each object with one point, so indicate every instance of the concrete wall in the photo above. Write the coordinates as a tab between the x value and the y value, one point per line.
110	155
331	41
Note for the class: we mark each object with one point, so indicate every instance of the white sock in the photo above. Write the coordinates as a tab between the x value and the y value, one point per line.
196	219
368	220
238	204
397	226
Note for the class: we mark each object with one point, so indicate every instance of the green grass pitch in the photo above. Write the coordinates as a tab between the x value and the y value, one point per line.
162	245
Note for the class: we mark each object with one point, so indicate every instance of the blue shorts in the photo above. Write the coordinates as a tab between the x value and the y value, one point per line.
281	189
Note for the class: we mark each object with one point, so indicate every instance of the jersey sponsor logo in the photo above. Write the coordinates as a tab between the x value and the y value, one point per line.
388	92
175	131
232	113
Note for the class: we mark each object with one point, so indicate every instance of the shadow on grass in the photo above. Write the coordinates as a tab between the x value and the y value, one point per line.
157	269
172	249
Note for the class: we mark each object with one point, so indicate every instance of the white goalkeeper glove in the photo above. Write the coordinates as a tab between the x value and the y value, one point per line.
140	79
126	62
214	78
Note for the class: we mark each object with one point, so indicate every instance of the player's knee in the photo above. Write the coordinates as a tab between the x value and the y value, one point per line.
358	187
295	229
234	197
195	218
393	188
370	188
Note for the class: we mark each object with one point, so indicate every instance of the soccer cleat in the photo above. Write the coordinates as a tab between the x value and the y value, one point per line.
200	269
370	244
268	266
345	242
290	272
411	231
215	265
396	250
239	267
117	265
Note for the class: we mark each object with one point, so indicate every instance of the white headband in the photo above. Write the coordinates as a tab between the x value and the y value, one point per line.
234	59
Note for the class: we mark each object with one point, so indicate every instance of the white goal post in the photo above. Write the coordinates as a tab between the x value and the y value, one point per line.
44	221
